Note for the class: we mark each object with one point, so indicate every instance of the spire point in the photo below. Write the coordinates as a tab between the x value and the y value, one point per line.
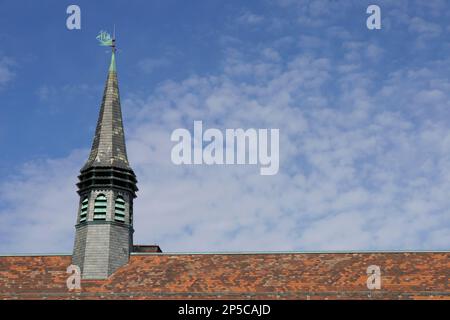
112	66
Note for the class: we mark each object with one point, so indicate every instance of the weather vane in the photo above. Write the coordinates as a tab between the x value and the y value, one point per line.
106	40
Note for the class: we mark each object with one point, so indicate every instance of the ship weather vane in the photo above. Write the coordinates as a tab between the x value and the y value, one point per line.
105	39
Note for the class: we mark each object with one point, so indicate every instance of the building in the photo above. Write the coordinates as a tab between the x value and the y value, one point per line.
112	267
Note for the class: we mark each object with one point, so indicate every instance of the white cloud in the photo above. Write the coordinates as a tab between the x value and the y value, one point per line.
364	158
250	18
39	206
44	92
424	28
350	178
7	73
148	65
48	92
373	52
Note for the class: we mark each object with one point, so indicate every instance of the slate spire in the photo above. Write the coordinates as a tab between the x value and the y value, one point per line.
108	148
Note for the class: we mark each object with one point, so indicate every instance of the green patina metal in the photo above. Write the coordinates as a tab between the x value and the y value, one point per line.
84	209
100	207
119	209
105	39
112	66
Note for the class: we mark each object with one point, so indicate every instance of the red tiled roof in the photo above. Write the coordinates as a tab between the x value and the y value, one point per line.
416	275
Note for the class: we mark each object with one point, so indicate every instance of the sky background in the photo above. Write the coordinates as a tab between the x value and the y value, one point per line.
364	119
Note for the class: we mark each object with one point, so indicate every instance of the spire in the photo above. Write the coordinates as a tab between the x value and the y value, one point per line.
108	148
107	187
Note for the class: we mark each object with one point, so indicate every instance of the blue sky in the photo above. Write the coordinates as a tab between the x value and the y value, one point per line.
363	117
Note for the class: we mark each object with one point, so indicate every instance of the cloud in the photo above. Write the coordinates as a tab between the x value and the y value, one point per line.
7	73
424	28
350	178
52	93
360	51
45	92
36	218
149	65
374	52
250	18
364	158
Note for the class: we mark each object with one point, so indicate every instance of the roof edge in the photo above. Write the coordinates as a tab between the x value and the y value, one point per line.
33	254
289	252
236	253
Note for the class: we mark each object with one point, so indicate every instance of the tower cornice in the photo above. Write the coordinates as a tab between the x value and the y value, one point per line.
107	178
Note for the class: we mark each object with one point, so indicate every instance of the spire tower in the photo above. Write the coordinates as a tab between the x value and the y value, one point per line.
107	187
